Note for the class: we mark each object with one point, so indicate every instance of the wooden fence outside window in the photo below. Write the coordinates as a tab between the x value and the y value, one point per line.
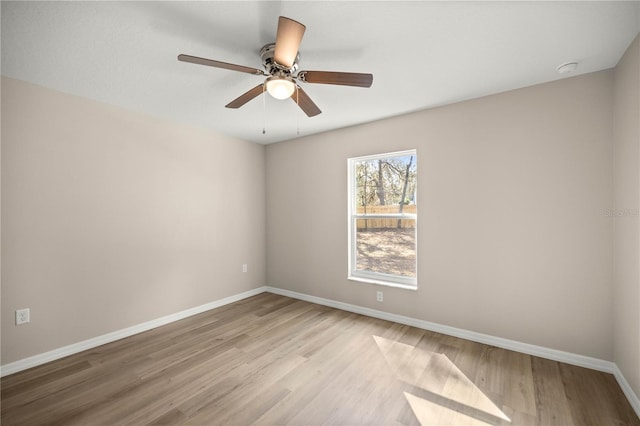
380	223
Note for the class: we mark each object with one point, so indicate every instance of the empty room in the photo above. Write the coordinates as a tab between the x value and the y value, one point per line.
320	212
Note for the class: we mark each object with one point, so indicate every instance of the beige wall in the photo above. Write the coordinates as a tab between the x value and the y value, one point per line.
513	237
626	157
112	218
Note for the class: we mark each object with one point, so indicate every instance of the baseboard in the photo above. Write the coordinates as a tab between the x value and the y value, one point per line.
526	348
553	354
626	388
43	358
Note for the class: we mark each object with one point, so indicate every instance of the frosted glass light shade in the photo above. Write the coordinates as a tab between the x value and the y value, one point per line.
280	87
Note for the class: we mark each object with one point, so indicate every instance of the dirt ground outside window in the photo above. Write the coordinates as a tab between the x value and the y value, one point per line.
387	250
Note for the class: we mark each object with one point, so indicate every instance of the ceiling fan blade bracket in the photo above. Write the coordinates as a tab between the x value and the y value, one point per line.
269	63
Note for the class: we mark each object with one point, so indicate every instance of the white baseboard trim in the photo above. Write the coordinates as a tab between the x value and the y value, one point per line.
626	388
552	354
526	348
74	348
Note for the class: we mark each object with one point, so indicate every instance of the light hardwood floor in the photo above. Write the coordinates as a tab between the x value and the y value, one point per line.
273	360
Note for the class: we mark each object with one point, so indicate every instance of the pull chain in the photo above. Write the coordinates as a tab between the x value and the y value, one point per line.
297	115
264	112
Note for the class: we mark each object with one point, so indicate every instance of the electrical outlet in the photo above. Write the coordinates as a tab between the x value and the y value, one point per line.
379	296
244	267
22	316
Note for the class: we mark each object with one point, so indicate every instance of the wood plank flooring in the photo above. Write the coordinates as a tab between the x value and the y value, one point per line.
272	360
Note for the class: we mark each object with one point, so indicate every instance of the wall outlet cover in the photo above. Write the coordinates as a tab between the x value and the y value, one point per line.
23	316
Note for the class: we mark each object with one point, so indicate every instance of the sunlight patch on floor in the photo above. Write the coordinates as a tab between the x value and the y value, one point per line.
432	413
437	386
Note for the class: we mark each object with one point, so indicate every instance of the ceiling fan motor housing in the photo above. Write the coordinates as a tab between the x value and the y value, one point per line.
271	66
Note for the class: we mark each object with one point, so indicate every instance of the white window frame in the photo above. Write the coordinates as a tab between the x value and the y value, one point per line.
371	277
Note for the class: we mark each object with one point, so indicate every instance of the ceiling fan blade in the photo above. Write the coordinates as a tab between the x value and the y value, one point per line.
219	64
288	40
246	97
304	102
340	78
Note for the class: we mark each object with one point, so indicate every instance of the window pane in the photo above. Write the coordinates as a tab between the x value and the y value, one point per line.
383	247
388	182
383	219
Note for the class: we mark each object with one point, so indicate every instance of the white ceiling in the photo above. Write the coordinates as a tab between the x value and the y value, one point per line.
422	54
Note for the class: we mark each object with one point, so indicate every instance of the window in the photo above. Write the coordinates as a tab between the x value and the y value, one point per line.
383	219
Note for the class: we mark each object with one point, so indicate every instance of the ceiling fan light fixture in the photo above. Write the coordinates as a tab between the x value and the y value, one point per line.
280	87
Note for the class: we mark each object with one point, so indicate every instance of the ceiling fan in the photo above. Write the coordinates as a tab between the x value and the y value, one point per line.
280	61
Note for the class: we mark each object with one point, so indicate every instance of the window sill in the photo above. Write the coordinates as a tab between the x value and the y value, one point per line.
382	282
